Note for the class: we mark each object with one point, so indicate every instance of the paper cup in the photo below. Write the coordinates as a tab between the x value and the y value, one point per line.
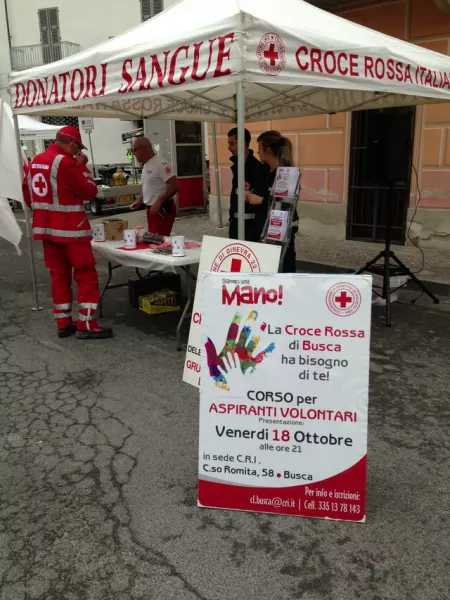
139	234
130	238
98	232
178	246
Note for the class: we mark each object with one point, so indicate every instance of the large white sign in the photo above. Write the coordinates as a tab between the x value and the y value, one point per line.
284	394
223	255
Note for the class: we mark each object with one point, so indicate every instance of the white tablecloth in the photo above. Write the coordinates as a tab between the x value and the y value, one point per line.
143	259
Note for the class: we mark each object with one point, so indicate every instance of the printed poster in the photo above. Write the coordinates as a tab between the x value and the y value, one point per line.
284	395
222	255
286	181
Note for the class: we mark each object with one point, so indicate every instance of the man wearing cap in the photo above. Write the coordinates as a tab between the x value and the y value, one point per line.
82	161
54	188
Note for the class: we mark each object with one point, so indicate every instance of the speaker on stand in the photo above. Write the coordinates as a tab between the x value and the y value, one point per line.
388	168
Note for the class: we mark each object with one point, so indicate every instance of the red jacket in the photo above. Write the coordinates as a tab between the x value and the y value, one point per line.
85	171
55	188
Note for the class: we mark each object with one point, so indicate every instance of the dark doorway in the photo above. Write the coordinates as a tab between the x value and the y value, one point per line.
380	152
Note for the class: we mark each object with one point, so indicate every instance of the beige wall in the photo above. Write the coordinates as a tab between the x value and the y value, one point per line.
321	142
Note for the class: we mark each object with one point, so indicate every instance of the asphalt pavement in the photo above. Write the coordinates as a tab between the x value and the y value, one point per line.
98	467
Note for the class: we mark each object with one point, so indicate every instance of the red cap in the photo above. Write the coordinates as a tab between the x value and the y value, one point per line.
70	134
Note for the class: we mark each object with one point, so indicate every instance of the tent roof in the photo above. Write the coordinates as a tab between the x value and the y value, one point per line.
293	58
30	129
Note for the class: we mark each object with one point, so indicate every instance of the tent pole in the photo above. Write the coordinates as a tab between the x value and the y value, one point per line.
216	171
240	110
92	152
27	220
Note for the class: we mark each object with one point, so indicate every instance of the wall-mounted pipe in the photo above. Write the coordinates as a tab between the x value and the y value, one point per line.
8	30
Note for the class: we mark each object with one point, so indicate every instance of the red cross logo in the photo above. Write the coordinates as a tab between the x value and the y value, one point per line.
235	258
272	55
343	300
39	185
236	264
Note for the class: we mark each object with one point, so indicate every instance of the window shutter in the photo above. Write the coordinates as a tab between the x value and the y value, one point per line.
50	36
44	26
150	8
146	9
157	7
53	21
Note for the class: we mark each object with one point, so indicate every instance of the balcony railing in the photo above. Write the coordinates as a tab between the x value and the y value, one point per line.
27	57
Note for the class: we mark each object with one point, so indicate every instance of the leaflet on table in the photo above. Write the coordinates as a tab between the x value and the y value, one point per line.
223	255
286	181
278	224
284	394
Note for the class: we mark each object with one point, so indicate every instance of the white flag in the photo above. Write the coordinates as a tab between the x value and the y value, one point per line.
10	182
9	228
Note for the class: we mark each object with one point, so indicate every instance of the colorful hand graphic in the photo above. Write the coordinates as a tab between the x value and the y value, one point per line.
231	372
242	346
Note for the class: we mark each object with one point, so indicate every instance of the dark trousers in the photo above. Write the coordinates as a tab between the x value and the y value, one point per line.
253	229
290	258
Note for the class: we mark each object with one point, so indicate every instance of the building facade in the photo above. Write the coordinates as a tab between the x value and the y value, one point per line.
338	153
35	32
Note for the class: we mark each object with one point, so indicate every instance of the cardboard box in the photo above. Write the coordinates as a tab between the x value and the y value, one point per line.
114	229
160	302
153	282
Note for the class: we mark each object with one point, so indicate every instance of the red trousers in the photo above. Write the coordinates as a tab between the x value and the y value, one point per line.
62	259
162	223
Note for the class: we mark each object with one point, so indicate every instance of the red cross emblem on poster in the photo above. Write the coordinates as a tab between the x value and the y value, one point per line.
236	258
343	299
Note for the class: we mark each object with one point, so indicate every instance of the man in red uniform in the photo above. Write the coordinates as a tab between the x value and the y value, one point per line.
82	161
54	188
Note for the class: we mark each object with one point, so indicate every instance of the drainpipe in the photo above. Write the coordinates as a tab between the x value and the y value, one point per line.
7	24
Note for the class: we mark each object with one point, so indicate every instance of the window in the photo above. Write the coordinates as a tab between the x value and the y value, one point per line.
50	35
188	132
150	8
188	139
189	161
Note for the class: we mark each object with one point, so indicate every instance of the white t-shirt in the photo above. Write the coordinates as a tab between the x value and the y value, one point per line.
155	174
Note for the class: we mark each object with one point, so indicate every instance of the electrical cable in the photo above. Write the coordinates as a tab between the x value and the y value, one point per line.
419	198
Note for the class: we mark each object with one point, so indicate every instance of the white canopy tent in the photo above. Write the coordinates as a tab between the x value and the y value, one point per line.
11	184
31	129
236	61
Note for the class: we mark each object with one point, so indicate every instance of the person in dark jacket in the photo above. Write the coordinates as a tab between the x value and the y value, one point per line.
275	150
255	215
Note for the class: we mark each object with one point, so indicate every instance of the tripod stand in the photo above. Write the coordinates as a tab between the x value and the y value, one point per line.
388	255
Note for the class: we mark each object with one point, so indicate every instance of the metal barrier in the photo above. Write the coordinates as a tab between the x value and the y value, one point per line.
27	57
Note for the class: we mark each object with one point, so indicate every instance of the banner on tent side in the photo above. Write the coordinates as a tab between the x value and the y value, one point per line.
299	46
284	394
223	255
